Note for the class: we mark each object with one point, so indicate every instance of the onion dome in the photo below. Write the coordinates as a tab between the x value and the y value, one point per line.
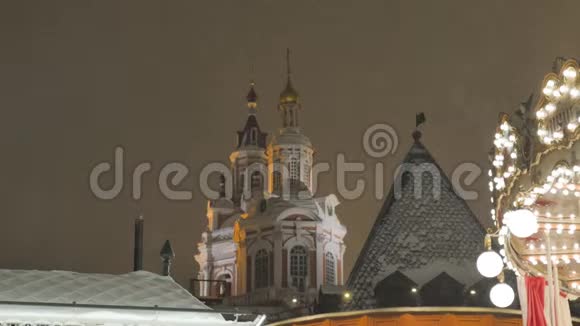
252	97
289	95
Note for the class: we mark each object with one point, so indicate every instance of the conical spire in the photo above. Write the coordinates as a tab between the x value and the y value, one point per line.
167	250
167	256
289	94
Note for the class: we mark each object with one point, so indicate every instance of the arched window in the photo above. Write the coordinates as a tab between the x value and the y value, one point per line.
262	269
298	267
294	171
256	181
277	176
329	270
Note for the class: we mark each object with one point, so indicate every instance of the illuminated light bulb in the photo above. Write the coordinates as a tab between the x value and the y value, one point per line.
564	89
577	193
550	107
550	178
533	261
576	246
564	247
572	216
565	192
547	226
574	92
576	258
522	223
565	259
489	172
560	215
553	190
540	114
546	91
504	126
543	246
513	155
489	264
572	126
571	186
529	201
556	93
547	140
491	199
570	73
502	295
551	83
572	229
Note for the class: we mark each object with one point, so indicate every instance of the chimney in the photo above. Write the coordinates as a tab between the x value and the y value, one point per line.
167	256
138	245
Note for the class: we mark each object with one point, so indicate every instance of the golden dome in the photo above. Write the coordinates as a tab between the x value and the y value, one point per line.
289	94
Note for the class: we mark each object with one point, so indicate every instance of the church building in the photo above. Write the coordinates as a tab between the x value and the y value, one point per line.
269	241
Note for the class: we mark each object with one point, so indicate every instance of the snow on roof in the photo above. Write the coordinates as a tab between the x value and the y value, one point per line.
139	289
420	236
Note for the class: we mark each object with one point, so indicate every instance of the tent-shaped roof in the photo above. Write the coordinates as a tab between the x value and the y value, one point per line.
136	289
419	233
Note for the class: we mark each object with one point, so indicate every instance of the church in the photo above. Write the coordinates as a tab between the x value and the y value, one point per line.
269	240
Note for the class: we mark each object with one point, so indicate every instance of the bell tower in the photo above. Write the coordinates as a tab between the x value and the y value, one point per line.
248	161
290	152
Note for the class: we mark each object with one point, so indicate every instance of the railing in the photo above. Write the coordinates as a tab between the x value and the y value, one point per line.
271	295
210	289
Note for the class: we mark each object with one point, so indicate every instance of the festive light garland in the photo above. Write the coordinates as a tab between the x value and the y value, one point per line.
519	214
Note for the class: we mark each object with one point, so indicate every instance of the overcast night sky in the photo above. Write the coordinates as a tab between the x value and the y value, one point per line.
167	79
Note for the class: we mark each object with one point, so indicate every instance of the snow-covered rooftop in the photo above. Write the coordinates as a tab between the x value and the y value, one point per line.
138	289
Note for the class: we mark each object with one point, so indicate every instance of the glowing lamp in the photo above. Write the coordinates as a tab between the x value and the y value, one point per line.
522	222
501	295
489	264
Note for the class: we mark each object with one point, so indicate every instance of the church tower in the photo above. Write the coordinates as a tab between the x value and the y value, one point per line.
248	162
272	244
290	151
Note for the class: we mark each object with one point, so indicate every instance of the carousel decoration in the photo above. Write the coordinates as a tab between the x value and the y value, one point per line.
535	187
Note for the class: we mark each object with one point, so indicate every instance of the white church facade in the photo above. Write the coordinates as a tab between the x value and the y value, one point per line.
270	241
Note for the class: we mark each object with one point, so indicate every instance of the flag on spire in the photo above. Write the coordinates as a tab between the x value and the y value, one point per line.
419	119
